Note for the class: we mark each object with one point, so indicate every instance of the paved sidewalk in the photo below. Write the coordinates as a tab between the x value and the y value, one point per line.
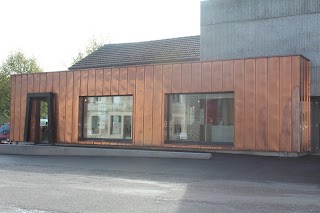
316	153
8	149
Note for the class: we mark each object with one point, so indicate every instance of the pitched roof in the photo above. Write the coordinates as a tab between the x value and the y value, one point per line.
147	52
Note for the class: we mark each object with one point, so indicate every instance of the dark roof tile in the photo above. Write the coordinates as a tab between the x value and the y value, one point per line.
147	52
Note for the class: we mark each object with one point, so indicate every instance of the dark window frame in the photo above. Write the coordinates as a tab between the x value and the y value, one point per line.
81	119
186	142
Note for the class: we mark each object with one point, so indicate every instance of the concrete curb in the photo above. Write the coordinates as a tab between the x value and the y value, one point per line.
266	154
79	151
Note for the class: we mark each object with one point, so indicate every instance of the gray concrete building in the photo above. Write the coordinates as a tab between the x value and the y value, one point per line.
232	29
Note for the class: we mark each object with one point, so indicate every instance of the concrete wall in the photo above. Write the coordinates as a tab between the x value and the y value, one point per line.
232	29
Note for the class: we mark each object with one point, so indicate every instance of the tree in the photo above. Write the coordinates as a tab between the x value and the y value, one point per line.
92	46
4	98
16	63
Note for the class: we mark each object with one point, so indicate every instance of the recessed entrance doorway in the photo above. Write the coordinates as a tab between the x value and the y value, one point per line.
39	123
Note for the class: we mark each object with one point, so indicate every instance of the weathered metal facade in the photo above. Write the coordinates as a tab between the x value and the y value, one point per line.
272	100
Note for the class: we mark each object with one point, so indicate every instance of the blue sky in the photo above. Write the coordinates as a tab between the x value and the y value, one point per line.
54	31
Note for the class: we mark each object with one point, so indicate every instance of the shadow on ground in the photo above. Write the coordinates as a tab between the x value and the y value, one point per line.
222	166
224	183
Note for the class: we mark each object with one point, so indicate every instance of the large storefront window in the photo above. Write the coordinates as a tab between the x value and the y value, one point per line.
200	118
106	118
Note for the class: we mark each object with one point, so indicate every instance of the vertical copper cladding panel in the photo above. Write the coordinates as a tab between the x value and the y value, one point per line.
157	107
261	104
84	83
216	76
62	106
285	104
148	106
24	85
43	82
186	77
69	108
295	79
17	110
303	106
106	82
131	90
167	76
56	90
306	79
30	83
75	103
249	110
196	77
92	83
307	127
123	81
176	78
99	82
227	76
139	107
131	80
12	106
49	82
273	103
206	77
115	81
239	103
36	83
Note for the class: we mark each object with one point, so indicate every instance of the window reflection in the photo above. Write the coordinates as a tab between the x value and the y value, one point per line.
107	117
201	117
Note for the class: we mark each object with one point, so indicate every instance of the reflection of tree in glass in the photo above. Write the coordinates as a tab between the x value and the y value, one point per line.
44	110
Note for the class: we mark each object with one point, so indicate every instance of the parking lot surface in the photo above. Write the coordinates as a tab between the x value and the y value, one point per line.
226	183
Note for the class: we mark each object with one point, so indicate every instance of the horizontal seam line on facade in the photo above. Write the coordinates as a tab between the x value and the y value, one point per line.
257	19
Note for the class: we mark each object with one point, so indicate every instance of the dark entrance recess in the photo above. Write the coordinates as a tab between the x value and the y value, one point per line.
315	123
39	123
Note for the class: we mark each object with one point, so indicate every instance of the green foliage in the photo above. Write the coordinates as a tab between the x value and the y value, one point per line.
4	98
16	63
92	46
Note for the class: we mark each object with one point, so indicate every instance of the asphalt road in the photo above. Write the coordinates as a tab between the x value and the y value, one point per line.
227	183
